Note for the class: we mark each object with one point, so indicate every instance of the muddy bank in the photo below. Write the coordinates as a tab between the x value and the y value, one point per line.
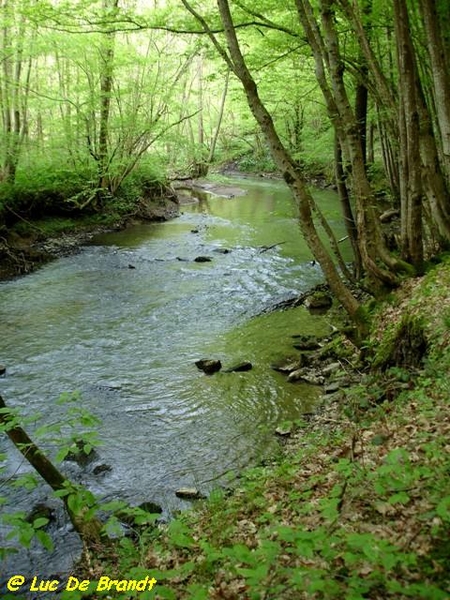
21	254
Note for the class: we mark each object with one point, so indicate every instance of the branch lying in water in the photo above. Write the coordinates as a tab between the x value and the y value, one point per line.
265	248
88	530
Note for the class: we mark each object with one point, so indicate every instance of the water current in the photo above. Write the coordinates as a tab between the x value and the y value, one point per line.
123	322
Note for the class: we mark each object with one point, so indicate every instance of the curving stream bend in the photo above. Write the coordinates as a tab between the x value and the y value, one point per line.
123	322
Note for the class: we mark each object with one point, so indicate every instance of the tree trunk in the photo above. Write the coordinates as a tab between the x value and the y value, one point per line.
433	180
106	84
410	162
88	530
380	266
287	167
347	212
440	73
219	118
361	103
14	89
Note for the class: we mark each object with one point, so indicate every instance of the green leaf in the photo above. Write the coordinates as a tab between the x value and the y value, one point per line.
40	522
399	498
45	540
443	509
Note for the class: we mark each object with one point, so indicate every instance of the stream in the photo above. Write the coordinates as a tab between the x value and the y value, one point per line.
123	322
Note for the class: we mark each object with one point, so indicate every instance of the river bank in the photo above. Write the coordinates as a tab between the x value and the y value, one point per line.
354	502
357	504
128	339
29	244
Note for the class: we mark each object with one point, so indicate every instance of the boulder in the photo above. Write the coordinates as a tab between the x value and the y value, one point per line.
243	366
208	365
288	365
296	375
306	342
102	468
331	388
318	300
2	370
309	376
222	250
331	368
189	493
284	430
313	379
202	259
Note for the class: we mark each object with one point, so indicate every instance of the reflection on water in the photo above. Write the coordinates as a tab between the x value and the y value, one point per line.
124	321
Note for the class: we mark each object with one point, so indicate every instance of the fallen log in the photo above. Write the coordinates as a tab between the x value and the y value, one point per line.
88	529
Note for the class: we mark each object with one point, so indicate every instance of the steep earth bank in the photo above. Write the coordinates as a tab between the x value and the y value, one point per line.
28	244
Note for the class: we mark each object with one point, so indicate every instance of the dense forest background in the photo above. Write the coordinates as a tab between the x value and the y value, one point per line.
100	100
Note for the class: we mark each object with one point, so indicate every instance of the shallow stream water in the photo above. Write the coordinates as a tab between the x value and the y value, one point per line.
123	322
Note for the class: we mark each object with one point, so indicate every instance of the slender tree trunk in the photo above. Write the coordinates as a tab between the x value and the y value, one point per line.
410	162
440	72
219	118
381	90
361	104
432	178
371	144
13	90
347	212
200	122
89	530
389	156
106	84
286	165
378	263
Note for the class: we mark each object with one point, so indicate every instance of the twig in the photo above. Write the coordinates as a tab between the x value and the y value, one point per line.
23	219
265	248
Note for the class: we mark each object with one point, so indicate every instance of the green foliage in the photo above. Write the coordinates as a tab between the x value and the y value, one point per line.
318	524
76	432
256	163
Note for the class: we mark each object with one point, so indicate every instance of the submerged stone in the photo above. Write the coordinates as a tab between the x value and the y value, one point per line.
100	469
208	365
243	366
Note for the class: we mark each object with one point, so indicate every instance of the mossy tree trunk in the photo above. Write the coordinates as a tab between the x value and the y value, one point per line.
88	530
282	158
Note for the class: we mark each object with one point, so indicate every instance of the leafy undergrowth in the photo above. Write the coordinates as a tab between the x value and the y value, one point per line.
358	508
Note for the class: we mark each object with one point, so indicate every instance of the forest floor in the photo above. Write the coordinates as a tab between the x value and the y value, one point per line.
357	504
